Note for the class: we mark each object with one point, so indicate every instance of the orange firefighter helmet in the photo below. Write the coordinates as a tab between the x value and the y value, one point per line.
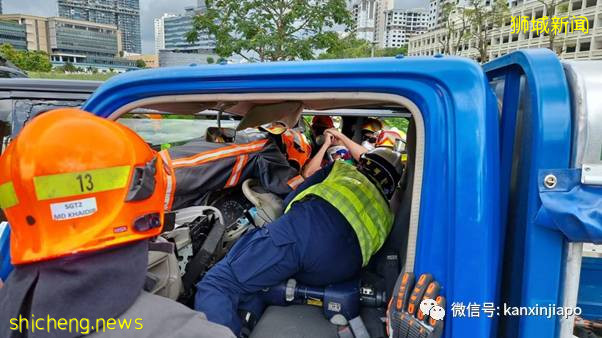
72	182
372	125
388	138
298	149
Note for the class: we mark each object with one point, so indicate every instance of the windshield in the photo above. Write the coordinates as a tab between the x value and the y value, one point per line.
159	130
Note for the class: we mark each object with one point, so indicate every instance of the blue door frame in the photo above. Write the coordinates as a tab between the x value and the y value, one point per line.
459	227
541	125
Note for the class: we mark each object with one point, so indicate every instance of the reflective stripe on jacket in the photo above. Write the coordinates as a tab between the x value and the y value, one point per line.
360	201
200	167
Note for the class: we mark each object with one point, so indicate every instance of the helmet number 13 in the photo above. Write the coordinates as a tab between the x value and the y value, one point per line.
85	182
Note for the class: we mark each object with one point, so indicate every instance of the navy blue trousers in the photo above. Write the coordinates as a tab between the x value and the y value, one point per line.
312	243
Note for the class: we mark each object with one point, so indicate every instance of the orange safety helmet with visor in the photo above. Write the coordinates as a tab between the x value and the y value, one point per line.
388	138
297	147
72	182
371	125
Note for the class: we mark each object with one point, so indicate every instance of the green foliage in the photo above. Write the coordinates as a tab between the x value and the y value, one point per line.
399	123
69	67
26	60
140	63
480	17
273	30
348	47
457	28
351	47
210	60
74	76
391	51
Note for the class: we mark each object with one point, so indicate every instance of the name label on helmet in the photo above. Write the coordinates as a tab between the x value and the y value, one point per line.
81	183
73	209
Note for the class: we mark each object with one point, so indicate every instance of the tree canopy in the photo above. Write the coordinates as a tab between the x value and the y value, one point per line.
482	18
36	61
140	63
271	30
348	47
352	47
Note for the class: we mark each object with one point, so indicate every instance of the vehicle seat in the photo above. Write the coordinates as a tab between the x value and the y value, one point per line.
269	206
163	274
294	321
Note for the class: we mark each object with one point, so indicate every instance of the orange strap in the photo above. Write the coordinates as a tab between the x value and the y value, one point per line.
239	166
216	154
295	181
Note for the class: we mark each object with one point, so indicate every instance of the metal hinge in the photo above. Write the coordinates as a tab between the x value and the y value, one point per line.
591	174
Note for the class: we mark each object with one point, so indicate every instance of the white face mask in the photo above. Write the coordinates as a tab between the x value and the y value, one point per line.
368	145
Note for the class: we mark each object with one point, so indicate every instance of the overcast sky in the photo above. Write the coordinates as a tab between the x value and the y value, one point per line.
149	9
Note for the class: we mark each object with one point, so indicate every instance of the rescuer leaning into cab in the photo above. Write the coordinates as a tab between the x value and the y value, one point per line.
334	222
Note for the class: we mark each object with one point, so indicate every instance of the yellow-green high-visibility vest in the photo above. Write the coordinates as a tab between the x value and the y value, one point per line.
359	201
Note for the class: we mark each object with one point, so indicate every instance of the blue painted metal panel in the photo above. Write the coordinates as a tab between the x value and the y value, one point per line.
533	261
459	228
590	289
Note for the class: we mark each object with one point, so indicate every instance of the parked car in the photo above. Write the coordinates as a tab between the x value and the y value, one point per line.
9	70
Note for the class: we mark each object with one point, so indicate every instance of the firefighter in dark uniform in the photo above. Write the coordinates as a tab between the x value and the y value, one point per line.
274	157
334	222
83	195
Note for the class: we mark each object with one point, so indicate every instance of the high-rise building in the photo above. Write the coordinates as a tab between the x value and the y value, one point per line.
124	14
401	24
369	18
160	32
86	44
171	34
364	18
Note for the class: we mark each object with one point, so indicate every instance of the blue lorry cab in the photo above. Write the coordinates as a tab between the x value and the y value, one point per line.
5	266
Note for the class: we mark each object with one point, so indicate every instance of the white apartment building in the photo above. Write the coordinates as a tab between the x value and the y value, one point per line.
435	9
572	45
160	32
369	18
435	14
401	24
364	19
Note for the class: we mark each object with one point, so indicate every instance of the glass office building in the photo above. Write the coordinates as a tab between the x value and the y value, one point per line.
13	34
175	29
125	14
86	44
